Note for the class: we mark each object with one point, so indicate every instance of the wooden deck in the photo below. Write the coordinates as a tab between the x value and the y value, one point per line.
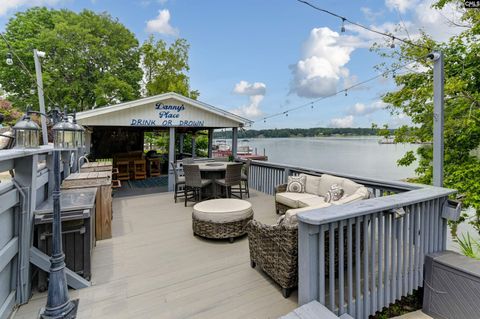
154	267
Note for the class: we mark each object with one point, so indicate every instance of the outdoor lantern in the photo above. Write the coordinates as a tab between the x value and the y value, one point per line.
80	135
64	135
26	133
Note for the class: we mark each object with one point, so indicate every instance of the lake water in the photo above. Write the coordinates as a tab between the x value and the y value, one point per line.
362	156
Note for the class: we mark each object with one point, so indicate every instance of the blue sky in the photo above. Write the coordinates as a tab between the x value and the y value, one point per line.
258	58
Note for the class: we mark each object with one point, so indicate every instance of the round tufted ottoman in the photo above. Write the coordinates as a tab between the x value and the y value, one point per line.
221	218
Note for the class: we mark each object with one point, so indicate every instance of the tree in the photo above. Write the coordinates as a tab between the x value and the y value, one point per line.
10	114
414	96
165	67
91	59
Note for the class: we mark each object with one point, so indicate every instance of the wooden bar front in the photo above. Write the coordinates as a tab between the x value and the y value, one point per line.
103	210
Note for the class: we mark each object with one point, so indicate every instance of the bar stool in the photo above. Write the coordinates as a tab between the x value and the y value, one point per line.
153	167
139	169
123	170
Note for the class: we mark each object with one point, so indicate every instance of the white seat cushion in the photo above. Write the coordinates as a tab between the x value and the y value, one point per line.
327	181
291	199
291	214
222	210
312	184
313	201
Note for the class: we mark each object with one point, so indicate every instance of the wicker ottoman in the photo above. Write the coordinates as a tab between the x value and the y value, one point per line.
221	218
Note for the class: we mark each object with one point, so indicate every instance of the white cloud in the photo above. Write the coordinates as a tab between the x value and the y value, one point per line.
324	57
362	109
255	92
161	24
8	5
401	5
245	88
342	122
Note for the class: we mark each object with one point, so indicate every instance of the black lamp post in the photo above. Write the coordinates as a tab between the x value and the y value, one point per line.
58	304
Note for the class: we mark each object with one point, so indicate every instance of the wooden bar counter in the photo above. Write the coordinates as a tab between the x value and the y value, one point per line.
96	167
103	209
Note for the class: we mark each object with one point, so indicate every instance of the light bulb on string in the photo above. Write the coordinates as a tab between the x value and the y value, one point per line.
392	45
346	92
343	25
9	59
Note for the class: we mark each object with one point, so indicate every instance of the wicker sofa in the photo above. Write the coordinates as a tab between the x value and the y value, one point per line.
316	189
274	248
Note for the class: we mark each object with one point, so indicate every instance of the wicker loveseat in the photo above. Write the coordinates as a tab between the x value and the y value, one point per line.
274	248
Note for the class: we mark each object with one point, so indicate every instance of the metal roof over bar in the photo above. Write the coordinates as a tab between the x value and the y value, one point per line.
164	110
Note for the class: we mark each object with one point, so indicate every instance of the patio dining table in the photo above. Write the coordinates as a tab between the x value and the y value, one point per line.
213	171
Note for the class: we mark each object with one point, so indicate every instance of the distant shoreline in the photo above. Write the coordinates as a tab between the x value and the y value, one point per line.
308	132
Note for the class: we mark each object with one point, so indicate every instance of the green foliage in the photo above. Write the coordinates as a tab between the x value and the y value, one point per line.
302	132
91	59
469	246
414	96
10	113
166	67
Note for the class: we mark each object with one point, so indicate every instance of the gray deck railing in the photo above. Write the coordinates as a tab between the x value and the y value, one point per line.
378	247
32	184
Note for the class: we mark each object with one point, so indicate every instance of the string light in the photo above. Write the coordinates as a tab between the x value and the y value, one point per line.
9	59
392	45
344	19
384	74
311	106
343	25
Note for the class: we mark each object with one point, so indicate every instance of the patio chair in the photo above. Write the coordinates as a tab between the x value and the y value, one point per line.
233	177
245	173
179	181
274	248
194	183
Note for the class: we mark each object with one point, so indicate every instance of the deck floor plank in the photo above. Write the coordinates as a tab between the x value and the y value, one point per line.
153	267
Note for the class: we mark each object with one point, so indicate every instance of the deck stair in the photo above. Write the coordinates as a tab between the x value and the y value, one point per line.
313	310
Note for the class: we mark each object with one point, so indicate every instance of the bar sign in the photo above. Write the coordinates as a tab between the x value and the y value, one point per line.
472	4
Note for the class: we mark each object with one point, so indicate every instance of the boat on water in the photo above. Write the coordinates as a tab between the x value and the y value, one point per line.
244	150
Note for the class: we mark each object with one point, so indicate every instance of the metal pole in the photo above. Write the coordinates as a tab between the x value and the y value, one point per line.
171	158
41	100
194	148
234	141
210	142
59	304
438	117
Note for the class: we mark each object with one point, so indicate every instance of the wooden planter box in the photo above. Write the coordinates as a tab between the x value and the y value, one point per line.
103	211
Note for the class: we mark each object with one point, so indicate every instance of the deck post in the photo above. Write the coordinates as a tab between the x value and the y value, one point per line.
26	176
210	142
308	263
438	117
234	141
181	138
194	149
171	158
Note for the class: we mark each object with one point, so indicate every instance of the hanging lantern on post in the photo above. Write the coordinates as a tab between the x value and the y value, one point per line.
64	135
80	133
26	133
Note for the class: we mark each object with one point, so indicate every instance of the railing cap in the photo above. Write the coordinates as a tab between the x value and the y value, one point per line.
16	153
319	216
